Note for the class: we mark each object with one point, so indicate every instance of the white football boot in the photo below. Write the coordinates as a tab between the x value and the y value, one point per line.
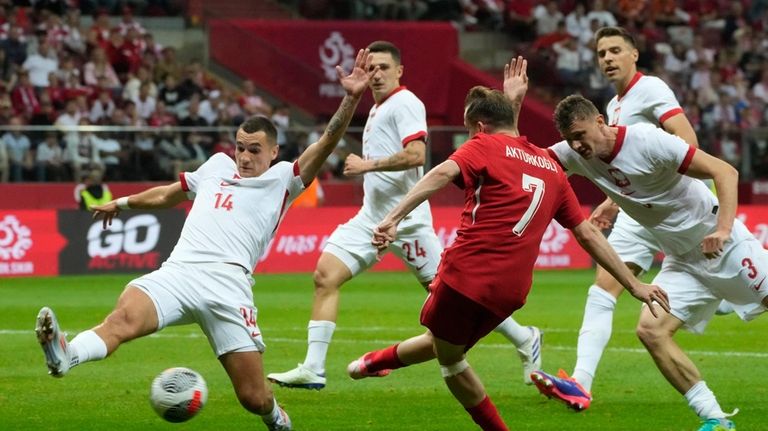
530	354
299	377
53	342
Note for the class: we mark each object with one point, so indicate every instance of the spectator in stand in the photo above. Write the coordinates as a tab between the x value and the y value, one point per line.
135	80
41	64
577	22
99	66
193	119
568	63
547	16
730	150
760	89
231	106
145	102
128	23
7	71
161	117
252	103
50	159
67	68
224	144
81	153
151	47
520	20
132	115
15	46
600	13
111	153
102	108
24	96
73	37
168	65
170	94
178	156
209	108
546	41
698	52
19	150
56	91
100	32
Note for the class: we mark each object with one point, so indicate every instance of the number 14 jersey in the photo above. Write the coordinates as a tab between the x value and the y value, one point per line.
233	219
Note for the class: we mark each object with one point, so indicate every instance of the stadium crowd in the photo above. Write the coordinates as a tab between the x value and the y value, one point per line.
53	71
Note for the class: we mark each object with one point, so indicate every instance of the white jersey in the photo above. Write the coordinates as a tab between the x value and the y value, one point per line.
392	124
647	99
233	219
644	177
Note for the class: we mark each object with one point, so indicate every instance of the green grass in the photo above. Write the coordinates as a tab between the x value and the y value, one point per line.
377	309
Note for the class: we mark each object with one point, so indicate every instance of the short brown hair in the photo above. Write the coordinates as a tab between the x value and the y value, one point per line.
384	46
615	31
489	106
571	109
259	123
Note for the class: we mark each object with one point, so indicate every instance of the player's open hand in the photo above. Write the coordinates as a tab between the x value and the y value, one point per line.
604	214
516	79
712	244
383	235
106	212
357	81
651	295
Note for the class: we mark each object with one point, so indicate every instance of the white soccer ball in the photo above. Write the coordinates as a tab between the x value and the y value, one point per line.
177	394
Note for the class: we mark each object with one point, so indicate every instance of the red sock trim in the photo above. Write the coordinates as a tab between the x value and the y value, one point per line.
384	359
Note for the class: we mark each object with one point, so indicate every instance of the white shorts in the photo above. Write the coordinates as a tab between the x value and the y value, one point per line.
632	242
696	285
416	245
216	296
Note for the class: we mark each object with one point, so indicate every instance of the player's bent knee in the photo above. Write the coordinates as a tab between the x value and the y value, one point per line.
454	369
649	333
256	401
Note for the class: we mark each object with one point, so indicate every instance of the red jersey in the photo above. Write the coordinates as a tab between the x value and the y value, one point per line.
512	191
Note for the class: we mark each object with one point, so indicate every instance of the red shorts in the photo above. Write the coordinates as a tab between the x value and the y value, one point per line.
455	318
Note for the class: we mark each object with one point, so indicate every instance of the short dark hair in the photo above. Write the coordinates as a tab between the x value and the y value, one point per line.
571	109
489	106
260	123
615	31
384	46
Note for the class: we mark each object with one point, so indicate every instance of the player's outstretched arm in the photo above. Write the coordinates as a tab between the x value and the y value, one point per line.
726	177
413	155
516	84
604	214
312	159
155	198
593	241
433	181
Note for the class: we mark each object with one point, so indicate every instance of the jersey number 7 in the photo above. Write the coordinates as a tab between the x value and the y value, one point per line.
535	185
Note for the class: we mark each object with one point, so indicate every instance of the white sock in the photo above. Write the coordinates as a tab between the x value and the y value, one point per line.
319	334
702	401
515	333
274	415
594	334
86	346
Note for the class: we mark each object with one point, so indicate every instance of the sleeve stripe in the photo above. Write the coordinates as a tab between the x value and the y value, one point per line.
671	113
296	171
418	135
183	179
687	160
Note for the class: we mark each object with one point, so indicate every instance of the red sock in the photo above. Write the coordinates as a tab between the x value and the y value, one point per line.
486	415
384	359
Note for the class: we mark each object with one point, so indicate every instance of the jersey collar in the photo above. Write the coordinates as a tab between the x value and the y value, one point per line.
617	147
631	84
402	87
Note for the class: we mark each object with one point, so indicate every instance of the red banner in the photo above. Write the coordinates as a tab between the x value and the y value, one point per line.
304	231
29	243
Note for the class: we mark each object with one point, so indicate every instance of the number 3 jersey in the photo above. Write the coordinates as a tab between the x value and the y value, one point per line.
512	191
643	175
233	219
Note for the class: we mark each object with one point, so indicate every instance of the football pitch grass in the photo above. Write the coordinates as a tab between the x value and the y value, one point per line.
377	309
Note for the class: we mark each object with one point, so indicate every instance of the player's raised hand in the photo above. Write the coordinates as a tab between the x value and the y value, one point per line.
516	79
712	244
651	295
354	165
106	212
357	81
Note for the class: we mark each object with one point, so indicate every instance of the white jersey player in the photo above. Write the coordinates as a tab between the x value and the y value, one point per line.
710	255
207	279
394	151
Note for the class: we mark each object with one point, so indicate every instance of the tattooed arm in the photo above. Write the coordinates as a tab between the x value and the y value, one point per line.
312	159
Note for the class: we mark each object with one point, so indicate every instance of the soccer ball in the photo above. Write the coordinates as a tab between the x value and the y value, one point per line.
177	394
